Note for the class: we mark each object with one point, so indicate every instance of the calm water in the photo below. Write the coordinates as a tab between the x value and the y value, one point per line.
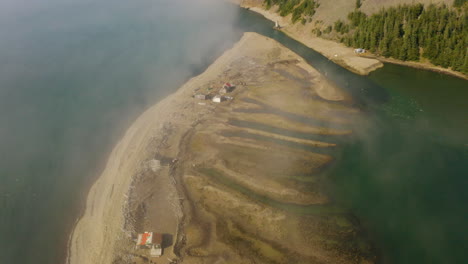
74	74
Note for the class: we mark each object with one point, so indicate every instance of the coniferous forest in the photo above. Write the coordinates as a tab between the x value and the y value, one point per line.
301	10
434	33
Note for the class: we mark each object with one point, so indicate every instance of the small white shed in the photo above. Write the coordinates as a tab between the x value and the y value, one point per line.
359	51
201	96
218	99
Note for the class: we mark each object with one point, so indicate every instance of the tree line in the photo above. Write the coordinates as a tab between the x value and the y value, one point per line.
301	10
408	32
411	32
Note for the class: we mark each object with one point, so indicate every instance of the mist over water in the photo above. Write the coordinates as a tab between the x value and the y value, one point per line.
404	174
75	74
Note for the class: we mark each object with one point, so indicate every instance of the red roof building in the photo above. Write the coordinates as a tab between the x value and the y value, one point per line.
145	239
151	241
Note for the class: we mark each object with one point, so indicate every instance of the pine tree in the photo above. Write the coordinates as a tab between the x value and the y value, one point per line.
402	32
358	4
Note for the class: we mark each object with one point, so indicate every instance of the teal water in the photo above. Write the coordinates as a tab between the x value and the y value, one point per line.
74	74
404	173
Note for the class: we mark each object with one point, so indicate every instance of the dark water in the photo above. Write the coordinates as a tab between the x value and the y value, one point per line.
74	74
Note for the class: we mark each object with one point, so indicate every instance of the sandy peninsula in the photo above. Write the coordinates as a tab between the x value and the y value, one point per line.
235	181
104	224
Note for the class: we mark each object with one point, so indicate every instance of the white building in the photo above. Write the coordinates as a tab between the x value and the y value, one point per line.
201	96
218	99
359	51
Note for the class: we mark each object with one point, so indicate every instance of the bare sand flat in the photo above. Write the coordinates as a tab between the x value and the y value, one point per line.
207	195
95	236
253	183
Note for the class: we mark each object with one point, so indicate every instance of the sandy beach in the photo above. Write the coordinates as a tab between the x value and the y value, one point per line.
96	234
421	65
94	237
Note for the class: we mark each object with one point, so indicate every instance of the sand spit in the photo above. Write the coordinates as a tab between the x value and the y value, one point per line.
421	65
95	235
185	169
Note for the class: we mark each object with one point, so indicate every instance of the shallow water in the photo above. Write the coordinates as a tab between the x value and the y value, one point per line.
404	172
406	175
74	74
